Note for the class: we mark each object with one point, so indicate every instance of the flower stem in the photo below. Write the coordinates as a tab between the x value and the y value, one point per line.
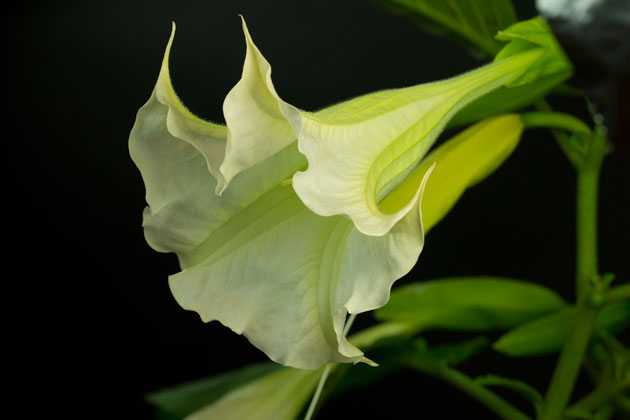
325	373
574	348
563	140
349	322
586	251
550	119
569	363
318	392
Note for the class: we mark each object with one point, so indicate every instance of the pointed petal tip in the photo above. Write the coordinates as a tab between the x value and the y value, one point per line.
423	184
169	44
368	362
221	186
248	37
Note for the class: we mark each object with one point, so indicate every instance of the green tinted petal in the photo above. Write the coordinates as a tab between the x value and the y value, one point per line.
286	278
256	117
360	150
208	138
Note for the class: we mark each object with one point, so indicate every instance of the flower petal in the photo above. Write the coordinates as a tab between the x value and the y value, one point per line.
208	138
257	119
359	151
266	266
255	258
286	278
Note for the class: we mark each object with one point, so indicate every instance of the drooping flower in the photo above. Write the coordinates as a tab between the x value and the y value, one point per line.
285	263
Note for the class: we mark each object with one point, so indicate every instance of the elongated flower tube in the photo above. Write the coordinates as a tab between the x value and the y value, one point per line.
257	257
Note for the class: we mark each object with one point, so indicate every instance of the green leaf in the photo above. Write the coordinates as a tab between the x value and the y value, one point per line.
507	99
184	399
470	303
520	387
279	395
528	35
472	23
547	334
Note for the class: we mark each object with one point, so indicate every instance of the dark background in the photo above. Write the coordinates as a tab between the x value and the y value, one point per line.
92	326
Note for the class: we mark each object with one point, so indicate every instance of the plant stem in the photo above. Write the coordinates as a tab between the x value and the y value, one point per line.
325	373
482	394
318	392
563	140
349	322
574	348
569	363
586	241
550	119
566	90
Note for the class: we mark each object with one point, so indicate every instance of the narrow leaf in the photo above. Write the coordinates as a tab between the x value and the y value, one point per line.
470	303
184	399
279	395
547	334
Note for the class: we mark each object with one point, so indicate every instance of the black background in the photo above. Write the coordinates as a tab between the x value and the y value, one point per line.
91	324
